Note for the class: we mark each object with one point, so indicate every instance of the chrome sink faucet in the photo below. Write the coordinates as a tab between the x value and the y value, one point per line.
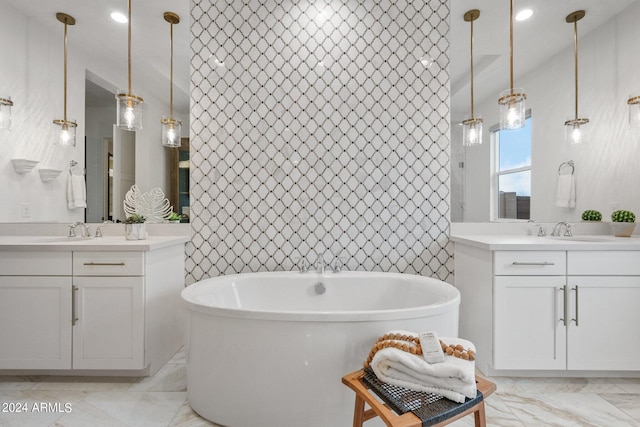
558	227
84	229
541	232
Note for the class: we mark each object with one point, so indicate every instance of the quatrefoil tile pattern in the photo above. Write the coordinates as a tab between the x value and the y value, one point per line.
319	129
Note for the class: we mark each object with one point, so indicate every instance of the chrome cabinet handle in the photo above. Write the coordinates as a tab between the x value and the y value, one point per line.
565	303
576	319
74	317
533	263
104	263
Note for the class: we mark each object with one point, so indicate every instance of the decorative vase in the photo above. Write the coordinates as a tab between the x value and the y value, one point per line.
622	229
136	231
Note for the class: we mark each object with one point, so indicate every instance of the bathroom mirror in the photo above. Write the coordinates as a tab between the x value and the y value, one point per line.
97	61
544	67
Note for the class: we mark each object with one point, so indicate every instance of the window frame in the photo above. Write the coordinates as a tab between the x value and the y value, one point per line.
495	173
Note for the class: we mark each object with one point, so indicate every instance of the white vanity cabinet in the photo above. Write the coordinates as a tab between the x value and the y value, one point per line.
604	290
35	310
529	298
107	309
550	310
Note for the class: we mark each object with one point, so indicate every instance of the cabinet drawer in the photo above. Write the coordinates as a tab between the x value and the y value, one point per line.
529	263
108	264
603	263
35	263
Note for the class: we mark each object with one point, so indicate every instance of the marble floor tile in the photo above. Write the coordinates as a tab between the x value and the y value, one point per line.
628	403
171	377
497	414
179	357
161	401
566	409
138	409
36	408
558	385
186	417
628	385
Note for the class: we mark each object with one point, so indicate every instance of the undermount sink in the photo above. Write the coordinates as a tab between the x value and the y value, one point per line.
583	238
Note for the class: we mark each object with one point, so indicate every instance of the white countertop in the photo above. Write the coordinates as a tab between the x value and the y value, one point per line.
105	243
534	243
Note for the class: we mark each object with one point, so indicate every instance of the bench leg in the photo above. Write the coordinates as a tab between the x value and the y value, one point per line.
479	416
358	412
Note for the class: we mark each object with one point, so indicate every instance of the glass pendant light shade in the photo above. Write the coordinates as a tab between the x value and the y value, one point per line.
472	131
129	111
66	132
576	131
513	111
634	110
5	112
171	132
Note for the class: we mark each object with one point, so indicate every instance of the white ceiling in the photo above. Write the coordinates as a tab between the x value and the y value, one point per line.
97	32
545	34
535	40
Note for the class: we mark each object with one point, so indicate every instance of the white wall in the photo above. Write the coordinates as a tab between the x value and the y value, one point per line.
607	173
32	74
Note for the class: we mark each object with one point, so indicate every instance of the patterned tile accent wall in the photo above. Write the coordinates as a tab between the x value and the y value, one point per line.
320	129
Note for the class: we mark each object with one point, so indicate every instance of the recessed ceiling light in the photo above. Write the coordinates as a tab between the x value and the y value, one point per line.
524	14
119	17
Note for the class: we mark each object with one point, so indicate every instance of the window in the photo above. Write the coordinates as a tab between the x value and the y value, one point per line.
512	184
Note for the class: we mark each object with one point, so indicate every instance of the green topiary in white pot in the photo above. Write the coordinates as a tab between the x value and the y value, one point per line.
623	223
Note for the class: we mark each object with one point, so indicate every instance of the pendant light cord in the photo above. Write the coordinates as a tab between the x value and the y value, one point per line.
129	46
575	56
511	45
472	113
65	72
171	72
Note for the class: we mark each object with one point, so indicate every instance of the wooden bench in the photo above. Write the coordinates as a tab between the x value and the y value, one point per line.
436	417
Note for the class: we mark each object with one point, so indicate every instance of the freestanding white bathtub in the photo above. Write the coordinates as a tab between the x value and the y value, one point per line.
270	349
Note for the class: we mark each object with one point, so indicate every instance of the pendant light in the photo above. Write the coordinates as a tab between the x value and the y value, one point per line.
512	101
171	128
129	106
575	126
472	125
5	112
67	136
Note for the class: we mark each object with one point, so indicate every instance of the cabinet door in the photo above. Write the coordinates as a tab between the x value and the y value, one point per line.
35	322
528	323
604	334
109	330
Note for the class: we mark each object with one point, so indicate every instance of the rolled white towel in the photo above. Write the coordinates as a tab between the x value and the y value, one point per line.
454	378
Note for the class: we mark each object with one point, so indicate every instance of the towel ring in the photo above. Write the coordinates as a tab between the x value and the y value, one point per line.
73	163
570	163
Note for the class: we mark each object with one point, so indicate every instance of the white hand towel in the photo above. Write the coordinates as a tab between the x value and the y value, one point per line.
76	192
70	203
566	192
454	378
